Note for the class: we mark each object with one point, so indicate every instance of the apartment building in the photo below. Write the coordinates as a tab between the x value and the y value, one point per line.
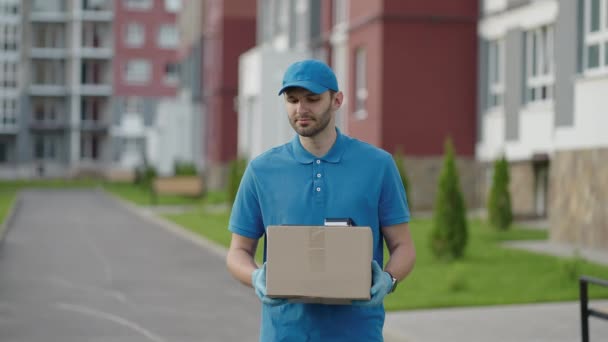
56	86
10	57
543	85
287	31
150	126
229	30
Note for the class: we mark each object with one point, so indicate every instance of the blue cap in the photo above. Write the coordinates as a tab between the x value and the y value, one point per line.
310	74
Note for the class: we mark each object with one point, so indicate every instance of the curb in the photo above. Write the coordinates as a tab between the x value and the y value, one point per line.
10	217
151	217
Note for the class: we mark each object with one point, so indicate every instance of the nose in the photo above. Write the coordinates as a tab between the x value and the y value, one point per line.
300	108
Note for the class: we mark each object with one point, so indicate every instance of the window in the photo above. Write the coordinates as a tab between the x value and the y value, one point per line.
495	73
138	5
93	35
360	84
8	112
173	6
171	73
8	75
167	36
135	35
9	36
51	72
138	71
90	145
48	110
9	7
96	5
48	35
595	53
539	64
90	110
133	105
46	147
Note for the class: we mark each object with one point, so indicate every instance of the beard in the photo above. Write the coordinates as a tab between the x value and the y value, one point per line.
315	124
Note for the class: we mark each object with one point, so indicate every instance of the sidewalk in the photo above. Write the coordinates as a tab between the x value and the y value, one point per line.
552	322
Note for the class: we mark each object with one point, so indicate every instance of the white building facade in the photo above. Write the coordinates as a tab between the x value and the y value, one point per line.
542	104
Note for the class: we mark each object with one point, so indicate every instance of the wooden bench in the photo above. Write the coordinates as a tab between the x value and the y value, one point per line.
586	310
177	185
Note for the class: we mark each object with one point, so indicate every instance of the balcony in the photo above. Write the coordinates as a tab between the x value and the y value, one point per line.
49	17
48	125
9	128
48	53
96	89
94	126
48	90
97	10
97	15
96	52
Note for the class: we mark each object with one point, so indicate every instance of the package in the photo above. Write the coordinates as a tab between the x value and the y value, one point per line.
319	264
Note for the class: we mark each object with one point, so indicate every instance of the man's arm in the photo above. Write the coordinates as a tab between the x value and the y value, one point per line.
240	258
401	249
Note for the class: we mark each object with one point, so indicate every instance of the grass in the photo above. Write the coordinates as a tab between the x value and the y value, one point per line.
488	274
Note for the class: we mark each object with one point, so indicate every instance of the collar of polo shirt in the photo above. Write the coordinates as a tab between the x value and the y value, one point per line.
333	156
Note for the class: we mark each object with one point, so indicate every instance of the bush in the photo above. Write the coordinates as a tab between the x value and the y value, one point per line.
399	161
184	169
236	170
499	201
449	232
145	175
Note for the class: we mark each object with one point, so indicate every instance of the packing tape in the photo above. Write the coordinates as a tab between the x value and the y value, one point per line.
316	249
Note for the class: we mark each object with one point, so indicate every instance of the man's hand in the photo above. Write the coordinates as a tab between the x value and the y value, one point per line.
382	283
258	280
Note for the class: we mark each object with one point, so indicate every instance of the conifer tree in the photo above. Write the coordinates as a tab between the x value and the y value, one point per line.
398	157
449	233
236	171
500	215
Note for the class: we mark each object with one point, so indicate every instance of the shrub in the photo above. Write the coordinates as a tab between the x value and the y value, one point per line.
145	175
449	231
398	157
499	200
184	169
236	170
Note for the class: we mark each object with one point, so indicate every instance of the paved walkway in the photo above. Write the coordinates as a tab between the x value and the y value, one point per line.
78	266
554	322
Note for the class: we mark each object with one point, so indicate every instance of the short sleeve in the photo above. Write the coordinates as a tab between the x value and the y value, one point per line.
246	215
393	208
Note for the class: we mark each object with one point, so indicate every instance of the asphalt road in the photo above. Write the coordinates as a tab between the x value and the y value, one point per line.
76	265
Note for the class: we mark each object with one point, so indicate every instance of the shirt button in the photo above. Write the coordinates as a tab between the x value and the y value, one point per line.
318	189
318	175
318	161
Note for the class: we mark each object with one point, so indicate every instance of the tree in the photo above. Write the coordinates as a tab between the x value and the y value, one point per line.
500	215
399	158
236	171
449	233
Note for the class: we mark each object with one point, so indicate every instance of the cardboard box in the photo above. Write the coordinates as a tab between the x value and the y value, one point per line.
319	264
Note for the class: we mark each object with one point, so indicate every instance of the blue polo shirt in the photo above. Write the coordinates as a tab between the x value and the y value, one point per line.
288	185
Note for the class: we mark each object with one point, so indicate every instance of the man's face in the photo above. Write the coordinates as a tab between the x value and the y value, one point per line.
309	113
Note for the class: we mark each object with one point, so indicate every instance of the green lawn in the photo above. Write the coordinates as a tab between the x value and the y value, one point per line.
7	199
489	274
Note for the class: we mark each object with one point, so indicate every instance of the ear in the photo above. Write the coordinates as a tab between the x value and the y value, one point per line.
337	100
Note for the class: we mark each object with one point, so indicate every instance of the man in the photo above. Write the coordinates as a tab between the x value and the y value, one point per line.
320	174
